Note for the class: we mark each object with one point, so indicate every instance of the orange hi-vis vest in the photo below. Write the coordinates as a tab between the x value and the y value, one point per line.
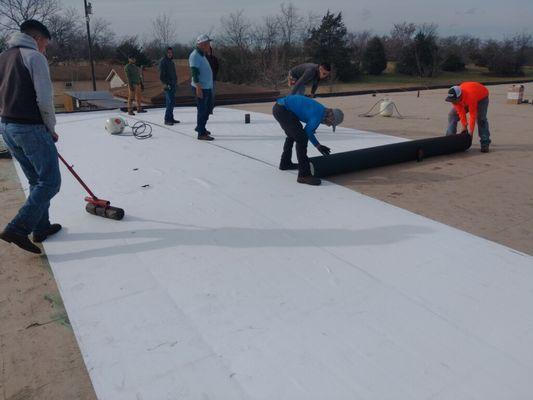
471	94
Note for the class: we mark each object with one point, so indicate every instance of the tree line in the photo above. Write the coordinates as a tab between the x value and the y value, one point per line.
262	52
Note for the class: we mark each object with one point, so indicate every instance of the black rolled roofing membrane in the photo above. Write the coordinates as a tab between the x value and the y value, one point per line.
357	160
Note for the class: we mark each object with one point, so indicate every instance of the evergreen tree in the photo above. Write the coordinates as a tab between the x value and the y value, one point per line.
420	57
328	43
374	59
130	47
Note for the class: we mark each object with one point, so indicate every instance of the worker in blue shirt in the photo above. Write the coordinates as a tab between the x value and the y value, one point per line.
202	85
290	112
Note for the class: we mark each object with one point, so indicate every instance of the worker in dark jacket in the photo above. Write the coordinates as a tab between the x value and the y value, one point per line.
290	112
28	127
305	74
213	62
169	79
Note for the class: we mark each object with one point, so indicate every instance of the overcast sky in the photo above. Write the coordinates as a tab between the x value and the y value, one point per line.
483	18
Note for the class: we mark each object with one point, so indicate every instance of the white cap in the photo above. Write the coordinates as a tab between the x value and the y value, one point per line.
203	38
454	93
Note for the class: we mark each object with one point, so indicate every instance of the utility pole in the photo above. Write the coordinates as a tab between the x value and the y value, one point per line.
89	11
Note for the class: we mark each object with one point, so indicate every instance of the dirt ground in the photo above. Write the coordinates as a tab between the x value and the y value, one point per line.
39	355
489	195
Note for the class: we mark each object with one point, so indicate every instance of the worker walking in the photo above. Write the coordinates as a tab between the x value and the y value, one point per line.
290	112
135	85
470	98
28	126
305	74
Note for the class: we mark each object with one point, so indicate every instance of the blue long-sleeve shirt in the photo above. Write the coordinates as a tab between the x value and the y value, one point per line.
307	110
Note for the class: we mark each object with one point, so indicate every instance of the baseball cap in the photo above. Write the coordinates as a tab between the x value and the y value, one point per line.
454	93
34	25
203	38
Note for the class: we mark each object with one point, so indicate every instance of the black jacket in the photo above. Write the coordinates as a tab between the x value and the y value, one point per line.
167	72
213	62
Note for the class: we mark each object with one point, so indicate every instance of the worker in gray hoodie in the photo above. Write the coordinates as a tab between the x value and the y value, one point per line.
28	127
305	74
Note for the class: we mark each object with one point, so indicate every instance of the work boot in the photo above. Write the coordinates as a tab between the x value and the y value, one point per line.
309	180
484	148
205	136
5	154
141	111
20	240
287	166
41	236
170	123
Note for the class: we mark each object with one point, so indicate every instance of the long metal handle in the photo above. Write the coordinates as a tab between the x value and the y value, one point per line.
77	177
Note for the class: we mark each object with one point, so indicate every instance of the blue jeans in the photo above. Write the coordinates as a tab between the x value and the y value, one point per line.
33	147
170	101
203	105
482	122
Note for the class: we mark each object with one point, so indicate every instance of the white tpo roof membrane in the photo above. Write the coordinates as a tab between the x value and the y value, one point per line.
228	280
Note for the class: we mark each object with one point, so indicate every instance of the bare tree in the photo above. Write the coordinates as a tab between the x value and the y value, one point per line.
14	12
164	30
357	42
67	31
3	41
236	30
290	24
400	36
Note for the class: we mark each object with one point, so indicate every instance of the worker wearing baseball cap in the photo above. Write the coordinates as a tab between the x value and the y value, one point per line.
202	85
470	98
28	126
290	112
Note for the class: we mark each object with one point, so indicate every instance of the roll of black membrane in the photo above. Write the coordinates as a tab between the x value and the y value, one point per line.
356	160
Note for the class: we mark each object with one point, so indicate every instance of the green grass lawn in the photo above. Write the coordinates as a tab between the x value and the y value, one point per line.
390	80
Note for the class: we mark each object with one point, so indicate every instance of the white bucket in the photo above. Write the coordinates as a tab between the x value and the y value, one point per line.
386	108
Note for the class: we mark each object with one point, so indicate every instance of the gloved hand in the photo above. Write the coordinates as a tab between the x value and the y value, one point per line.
323	149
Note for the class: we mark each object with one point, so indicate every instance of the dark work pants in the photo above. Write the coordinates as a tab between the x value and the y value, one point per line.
295	133
203	106
170	102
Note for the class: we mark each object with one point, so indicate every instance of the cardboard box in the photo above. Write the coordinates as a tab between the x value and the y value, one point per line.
515	95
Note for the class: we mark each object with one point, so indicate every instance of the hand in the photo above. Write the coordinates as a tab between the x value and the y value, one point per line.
199	92
55	137
463	131
323	149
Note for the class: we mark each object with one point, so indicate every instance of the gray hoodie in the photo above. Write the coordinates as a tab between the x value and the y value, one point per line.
26	93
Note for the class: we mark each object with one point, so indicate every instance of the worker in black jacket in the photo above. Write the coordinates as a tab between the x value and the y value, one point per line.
213	62
169	79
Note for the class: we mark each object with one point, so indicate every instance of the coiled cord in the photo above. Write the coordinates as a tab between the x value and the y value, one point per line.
141	130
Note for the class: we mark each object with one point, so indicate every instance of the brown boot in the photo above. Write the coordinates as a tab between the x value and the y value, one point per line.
309	180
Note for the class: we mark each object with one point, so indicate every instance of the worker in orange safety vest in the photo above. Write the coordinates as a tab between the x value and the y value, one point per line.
471	98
